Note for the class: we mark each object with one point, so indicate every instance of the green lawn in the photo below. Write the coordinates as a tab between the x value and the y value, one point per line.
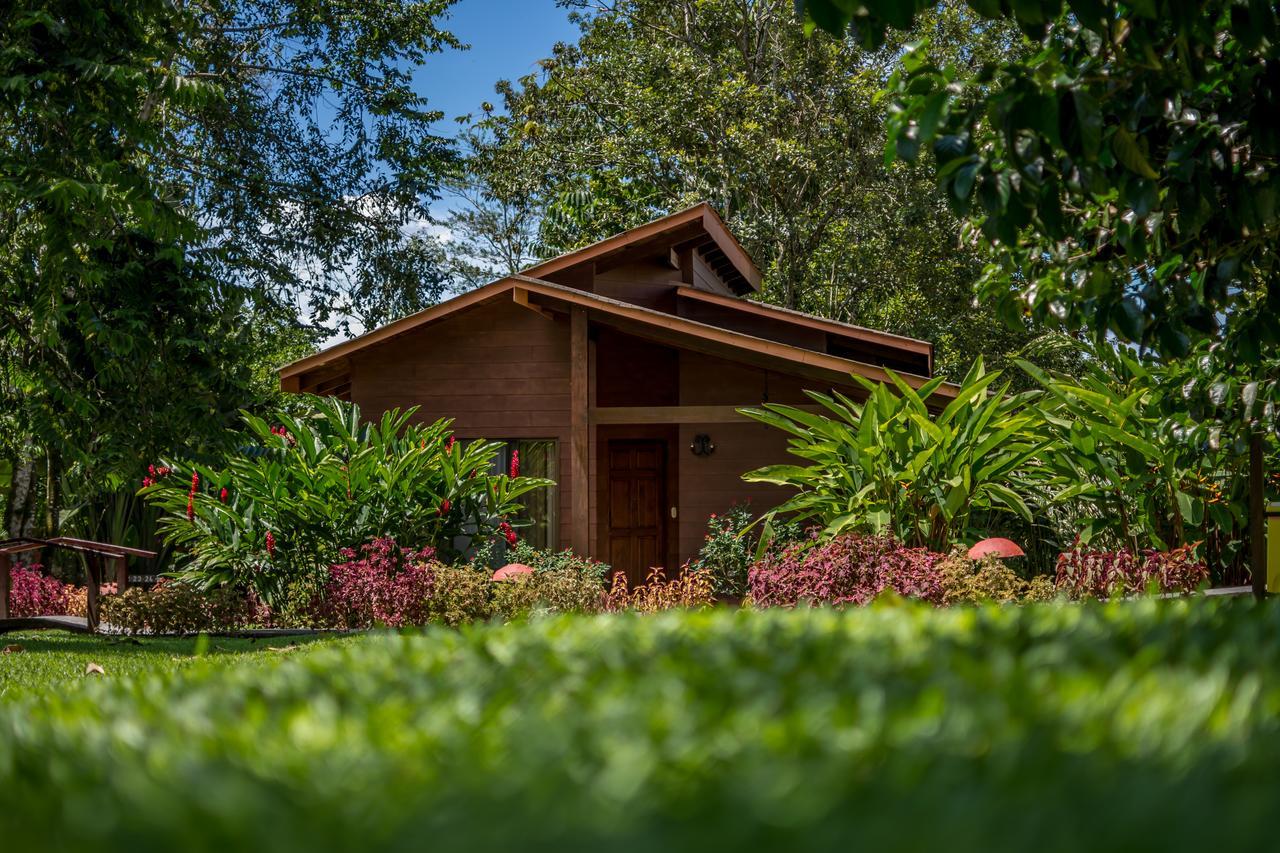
1151	725
46	660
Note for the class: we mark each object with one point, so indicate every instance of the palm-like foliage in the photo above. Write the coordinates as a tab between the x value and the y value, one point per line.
889	465
325	481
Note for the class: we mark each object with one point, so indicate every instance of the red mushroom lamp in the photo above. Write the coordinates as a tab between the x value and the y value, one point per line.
996	547
511	570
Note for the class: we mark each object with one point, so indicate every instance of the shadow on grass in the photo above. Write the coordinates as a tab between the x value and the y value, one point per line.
62	642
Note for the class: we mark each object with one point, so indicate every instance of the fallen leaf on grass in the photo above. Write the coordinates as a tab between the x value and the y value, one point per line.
93	668
13	649
283	648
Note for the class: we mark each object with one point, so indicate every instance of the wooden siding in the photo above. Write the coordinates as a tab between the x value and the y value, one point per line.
750	324
706	278
712	484
648	284
499	370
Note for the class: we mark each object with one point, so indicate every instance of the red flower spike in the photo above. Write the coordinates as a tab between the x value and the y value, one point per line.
271	544
448	445
191	508
507	532
445	506
222	495
515	464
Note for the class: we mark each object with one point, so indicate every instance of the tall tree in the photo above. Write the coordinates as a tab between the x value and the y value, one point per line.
661	104
174	178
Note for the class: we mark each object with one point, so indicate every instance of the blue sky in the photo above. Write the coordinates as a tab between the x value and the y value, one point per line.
507	38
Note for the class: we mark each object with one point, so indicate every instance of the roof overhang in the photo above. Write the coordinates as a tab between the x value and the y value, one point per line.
699	225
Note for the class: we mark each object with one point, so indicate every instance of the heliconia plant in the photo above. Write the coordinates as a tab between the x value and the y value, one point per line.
306	486
891	466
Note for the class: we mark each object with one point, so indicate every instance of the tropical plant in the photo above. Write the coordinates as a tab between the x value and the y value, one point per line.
177	608
888	465
1121	458
546	592
730	545
1103	574
33	593
380	584
546	560
969	581
306	486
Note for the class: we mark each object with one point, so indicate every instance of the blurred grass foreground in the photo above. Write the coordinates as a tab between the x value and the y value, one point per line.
1149	725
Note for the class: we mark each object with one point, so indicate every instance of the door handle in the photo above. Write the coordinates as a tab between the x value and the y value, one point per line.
674	514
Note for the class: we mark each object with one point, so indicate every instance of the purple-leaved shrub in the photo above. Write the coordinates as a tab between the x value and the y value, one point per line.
849	569
32	593
1103	574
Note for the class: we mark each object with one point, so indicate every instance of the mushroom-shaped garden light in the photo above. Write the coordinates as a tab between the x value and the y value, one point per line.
511	570
996	547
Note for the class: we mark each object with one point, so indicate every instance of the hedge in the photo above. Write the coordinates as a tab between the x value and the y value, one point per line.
1049	727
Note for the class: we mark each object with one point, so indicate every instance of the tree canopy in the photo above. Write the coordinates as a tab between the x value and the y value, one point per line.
662	104
1125	175
176	182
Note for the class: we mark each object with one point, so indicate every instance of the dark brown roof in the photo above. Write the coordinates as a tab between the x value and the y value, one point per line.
700	224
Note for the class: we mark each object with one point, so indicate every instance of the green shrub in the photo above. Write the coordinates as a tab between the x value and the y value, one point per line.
459	595
727	552
176	608
1148	725
1127	473
549	591
306	487
966	581
543	560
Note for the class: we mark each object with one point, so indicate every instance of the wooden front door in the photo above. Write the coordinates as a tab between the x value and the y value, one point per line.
637	500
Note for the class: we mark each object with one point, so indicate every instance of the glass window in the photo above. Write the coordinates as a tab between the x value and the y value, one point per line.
538	458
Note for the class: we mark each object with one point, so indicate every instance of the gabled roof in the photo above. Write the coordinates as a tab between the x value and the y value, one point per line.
647	322
700	224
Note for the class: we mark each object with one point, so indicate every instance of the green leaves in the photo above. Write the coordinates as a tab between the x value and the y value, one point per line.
326	480
1123	473
1156	158
891	463
773	730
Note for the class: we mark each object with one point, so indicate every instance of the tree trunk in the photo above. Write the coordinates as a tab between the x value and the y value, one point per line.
20	503
52	493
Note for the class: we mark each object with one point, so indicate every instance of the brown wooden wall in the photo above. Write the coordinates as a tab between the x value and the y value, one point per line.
650	285
499	370
502	371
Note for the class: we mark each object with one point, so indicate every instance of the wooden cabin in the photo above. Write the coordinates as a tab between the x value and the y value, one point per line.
617	371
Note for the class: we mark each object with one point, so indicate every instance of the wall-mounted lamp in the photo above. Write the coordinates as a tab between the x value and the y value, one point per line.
702	445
